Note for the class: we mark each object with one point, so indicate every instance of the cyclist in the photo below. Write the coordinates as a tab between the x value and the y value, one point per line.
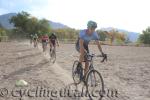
35	40
45	40
52	40
85	36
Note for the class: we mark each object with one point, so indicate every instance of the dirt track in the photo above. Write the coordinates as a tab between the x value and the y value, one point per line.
127	70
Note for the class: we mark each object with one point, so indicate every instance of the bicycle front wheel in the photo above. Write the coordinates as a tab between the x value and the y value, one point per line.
77	72
95	85
53	56
44	45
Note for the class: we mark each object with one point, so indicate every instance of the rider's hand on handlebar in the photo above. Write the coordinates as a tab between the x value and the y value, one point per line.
102	54
104	57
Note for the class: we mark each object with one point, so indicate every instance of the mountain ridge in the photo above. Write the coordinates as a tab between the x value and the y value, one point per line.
4	21
132	36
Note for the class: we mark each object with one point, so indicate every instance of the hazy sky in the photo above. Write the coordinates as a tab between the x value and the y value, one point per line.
132	15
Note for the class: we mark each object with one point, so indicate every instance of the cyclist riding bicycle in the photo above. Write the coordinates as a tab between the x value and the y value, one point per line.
85	36
45	40
52	40
35	37
35	40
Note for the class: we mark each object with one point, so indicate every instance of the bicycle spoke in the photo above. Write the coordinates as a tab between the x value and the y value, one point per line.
76	72
94	83
52	56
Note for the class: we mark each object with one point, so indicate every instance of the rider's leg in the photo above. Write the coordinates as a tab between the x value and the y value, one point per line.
54	45
37	43
86	67
43	46
86	59
50	46
34	42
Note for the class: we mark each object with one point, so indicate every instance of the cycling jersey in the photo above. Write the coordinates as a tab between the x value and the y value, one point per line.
87	38
45	38
53	38
31	36
35	37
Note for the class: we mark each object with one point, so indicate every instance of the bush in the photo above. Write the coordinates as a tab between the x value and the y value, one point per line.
145	36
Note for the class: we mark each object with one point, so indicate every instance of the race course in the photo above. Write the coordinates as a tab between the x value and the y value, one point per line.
127	71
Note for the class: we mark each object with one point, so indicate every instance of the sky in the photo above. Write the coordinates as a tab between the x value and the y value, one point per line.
131	15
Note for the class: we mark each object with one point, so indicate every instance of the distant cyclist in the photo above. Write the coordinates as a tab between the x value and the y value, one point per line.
85	36
53	40
45	40
35	40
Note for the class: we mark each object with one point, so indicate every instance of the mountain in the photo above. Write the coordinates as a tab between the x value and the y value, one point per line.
56	25
132	36
4	21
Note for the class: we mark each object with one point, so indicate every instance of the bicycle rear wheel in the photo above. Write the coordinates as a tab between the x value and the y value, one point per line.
35	44
53	56
44	45
95	85
77	72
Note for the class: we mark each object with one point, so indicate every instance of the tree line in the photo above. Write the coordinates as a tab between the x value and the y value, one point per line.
25	24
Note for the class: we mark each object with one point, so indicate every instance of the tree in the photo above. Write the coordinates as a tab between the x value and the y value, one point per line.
102	35
20	20
25	24
43	26
1	25
145	37
111	35
32	25
2	31
66	33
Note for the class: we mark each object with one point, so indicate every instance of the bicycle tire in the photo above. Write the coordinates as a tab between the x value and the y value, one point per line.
53	56
44	45
76	75
35	44
91	77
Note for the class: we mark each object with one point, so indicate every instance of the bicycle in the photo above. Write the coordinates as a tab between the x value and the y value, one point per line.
35	43
44	46
92	77
53	55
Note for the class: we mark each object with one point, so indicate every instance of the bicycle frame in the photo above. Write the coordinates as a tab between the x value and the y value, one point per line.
90	58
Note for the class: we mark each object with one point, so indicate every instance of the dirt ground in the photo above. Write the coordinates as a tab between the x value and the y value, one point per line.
127	72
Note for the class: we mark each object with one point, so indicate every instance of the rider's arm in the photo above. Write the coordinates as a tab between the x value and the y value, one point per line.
50	42
57	41
97	38
81	50
99	46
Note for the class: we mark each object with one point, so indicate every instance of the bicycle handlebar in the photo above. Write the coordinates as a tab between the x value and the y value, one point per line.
104	56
